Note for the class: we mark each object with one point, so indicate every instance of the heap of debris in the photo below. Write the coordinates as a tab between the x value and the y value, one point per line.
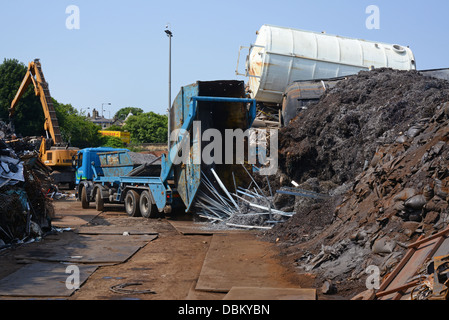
25	211
244	207
377	145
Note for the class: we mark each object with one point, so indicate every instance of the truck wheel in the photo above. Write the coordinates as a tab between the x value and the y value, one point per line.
99	202
132	203
84	201
147	207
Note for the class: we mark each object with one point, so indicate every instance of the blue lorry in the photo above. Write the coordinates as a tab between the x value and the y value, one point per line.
107	175
150	189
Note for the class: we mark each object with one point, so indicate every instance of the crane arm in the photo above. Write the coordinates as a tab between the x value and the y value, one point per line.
23	87
35	75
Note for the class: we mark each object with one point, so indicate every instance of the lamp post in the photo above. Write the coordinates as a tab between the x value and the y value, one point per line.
169	35
106	103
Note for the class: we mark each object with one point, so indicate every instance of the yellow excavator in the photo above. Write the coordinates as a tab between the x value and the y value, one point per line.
53	151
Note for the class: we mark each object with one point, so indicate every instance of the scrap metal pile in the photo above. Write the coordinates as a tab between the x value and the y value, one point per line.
25	211
377	145
248	208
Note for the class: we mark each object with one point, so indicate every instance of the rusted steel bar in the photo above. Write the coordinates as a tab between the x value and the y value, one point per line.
437	235
394	290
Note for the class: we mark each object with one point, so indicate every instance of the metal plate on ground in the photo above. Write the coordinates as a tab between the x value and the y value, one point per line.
200	228
72	221
252	293
115	230
43	280
203	295
102	249
252	264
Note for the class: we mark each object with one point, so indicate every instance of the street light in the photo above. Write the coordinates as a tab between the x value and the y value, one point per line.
106	103
169	35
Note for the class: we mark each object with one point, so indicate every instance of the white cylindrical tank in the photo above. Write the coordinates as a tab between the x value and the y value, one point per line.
283	55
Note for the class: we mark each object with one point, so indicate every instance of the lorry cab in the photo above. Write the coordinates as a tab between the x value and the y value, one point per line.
83	163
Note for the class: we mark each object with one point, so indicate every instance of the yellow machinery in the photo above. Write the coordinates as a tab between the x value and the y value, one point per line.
53	151
124	136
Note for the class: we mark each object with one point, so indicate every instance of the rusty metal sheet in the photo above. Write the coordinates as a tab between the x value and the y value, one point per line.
263	293
409	270
115	164
443	249
253	266
427	250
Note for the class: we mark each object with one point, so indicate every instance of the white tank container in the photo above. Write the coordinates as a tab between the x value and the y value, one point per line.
283	55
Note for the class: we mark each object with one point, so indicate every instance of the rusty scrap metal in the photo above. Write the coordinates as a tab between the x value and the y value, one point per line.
423	287
435	236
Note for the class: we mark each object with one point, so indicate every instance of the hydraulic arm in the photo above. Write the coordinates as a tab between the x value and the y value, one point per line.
35	75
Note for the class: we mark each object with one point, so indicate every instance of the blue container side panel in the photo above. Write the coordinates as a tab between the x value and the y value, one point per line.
183	112
116	163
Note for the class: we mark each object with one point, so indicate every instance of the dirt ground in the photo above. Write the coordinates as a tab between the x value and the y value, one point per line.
168	266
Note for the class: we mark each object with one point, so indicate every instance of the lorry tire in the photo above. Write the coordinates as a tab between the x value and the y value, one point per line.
99	202
147	206
84	201
132	200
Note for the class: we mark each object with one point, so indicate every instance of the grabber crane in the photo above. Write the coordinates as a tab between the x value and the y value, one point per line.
53	151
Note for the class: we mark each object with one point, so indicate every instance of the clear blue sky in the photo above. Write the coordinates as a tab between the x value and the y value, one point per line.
120	53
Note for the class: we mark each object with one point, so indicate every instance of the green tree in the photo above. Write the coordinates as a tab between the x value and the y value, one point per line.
112	142
114	127
75	128
29	116
124	112
147	128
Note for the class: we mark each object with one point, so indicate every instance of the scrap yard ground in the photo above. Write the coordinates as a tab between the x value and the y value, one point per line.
162	259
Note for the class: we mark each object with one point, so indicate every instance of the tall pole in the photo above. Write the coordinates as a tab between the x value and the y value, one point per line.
102	108
169	71
169	35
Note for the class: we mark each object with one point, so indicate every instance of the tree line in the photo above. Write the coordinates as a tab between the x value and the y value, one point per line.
76	129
